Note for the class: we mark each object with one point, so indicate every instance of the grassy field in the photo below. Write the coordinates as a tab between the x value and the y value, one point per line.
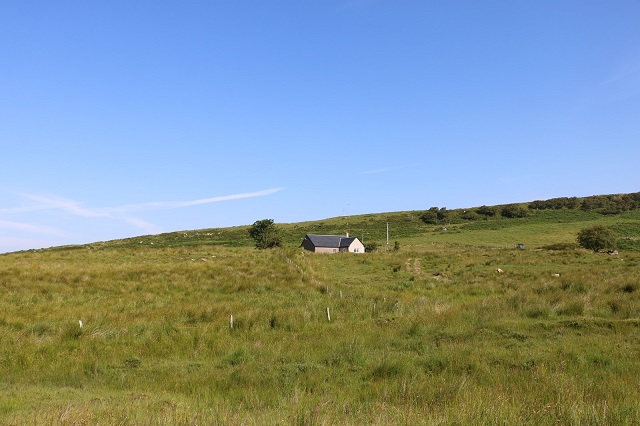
429	334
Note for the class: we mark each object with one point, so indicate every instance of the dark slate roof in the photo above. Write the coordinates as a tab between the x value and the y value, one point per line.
335	241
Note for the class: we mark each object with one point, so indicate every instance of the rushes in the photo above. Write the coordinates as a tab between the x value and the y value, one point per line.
444	339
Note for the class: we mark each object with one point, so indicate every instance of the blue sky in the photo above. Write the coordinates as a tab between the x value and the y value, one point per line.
123	118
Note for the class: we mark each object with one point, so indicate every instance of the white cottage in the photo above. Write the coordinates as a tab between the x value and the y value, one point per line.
332	244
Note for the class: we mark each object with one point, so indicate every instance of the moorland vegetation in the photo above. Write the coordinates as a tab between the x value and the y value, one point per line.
455	326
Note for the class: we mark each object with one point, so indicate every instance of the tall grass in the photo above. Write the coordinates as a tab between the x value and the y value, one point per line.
432	334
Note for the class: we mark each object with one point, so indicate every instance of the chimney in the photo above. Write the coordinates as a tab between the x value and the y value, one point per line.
347	233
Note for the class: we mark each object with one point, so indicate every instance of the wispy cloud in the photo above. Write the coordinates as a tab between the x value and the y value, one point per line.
36	229
75	208
623	74
180	204
623	84
147	227
51	202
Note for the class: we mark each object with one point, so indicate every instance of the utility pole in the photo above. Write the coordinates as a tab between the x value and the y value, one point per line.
387	236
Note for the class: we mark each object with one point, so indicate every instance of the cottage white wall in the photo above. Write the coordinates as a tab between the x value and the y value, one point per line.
356	246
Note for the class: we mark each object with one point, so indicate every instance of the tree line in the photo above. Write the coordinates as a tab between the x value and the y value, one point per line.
442	216
603	204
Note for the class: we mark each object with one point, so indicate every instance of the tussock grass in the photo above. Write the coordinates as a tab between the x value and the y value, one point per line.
431	334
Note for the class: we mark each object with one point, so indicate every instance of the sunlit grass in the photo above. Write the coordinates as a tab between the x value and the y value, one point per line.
431	334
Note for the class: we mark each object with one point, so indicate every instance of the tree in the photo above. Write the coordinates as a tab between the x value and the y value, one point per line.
443	215
514	210
430	216
469	215
265	234
597	238
435	215
486	211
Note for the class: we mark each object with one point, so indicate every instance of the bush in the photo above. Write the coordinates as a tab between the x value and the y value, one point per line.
265	234
430	217
514	210
370	246
487	211
555	203
597	238
435	215
469	215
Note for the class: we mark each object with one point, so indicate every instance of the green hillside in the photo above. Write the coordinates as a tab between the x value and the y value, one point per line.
456	327
540	227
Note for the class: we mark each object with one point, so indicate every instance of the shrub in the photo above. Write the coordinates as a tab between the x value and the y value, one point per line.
265	234
469	215
430	217
487	211
514	210
597	238
435	215
370	246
